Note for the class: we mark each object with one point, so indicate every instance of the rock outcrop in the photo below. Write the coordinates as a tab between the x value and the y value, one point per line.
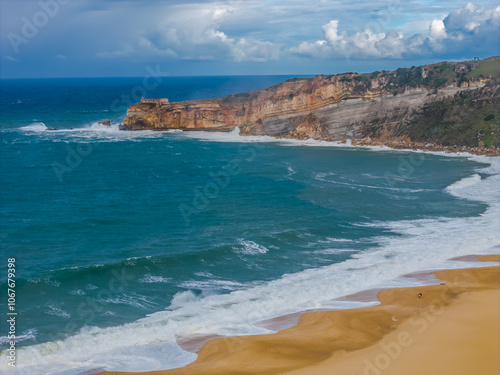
379	105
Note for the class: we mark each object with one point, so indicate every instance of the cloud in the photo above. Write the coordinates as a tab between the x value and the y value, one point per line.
195	32
241	36
10	58
472	29
463	30
255	50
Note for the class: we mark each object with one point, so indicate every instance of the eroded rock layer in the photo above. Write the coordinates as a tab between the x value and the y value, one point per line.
384	106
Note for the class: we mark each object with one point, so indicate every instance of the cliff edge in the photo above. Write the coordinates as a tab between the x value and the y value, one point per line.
445	105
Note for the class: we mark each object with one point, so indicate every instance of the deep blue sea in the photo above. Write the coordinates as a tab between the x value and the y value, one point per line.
128	243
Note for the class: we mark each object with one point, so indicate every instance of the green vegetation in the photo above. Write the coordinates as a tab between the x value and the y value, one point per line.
299	79
408	77
242	95
485	68
431	77
465	119
442	74
470	118
362	78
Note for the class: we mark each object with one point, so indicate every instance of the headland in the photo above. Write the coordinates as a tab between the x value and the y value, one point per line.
448	106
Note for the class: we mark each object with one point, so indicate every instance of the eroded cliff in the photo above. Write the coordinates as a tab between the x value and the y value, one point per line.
385	106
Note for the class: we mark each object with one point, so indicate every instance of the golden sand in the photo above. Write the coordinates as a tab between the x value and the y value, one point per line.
452	328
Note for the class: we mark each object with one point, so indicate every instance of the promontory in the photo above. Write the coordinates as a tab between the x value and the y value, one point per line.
448	105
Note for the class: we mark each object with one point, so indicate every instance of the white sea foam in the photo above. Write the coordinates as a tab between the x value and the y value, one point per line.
149	279
234	136
35	127
96	132
333	251
28	335
204	274
249	248
134	300
324	178
213	284
78	292
329	239
460	186
150	343
182	299
57	311
93	132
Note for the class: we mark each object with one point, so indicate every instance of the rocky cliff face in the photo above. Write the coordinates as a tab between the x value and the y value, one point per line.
337	107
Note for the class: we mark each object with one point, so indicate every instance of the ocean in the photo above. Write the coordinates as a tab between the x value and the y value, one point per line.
126	244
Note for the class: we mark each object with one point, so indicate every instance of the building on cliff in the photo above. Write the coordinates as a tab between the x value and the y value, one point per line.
158	102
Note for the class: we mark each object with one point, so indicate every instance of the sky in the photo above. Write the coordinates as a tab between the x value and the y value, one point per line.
119	38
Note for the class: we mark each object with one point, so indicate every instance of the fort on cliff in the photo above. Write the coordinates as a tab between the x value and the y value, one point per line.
156	102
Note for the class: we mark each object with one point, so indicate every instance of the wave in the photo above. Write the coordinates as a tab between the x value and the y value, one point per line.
333	251
57	311
182	299
93	130
151	342
249	248
329	239
88	133
234	136
96	132
213	284
323	177
28	335
35	127
150	279
459	187
133	299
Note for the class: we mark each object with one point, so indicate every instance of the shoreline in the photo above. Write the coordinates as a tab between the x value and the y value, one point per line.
368	340
396	144
402	145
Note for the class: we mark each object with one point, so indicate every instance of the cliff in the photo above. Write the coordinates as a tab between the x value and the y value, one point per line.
448	104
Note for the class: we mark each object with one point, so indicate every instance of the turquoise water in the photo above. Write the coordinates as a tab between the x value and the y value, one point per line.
127	242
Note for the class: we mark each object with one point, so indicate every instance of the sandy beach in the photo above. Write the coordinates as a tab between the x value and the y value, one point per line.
450	328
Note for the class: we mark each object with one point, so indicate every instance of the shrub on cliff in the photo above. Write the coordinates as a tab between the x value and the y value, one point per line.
465	119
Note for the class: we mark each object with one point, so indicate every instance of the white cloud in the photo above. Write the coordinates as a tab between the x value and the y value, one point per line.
437	33
195	31
332	34
463	30
255	50
365	44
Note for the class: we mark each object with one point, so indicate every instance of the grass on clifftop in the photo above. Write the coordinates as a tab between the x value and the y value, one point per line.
431	77
469	118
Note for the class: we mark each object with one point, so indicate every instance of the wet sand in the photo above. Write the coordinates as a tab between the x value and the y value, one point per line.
449	328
